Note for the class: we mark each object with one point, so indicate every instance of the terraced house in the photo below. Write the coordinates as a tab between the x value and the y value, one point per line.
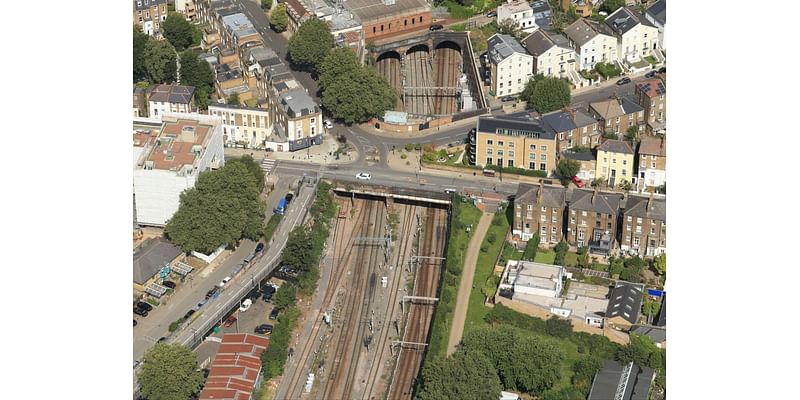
614	162
572	127
551	53
593	219
247	127
593	43
652	96
515	142
636	36
616	115
644	226
539	208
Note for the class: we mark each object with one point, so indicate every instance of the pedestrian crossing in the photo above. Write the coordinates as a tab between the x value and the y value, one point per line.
268	165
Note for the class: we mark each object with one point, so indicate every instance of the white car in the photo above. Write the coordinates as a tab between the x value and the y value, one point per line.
246	305
363	176
328	124
224	281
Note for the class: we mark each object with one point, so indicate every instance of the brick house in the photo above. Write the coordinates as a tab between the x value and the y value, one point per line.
651	94
592	219
644	226
572	128
616	115
149	14
652	169
539	208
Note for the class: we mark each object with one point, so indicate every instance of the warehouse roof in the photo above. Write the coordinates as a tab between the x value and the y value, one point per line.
373	10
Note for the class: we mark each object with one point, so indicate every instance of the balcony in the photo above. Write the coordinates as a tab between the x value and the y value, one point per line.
603	245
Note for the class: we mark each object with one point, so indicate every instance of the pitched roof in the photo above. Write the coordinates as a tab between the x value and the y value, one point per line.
653	146
615	107
659	11
637	206
652	87
563	120
552	196
503	46
580	156
515	7
604	202
537	43
615	146
235	368
172	94
608	381
583	30
657	333
518	127
661	318
625	19
150	257
625	301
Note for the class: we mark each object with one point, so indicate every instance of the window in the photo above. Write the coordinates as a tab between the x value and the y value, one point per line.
488	160
373	29
553	229
542	166
405	23
638	220
636	241
544	148
544	218
499	152
488	152
510	163
583	213
653	157
511	153
530	207
544	209
420	19
554	219
532	156
652	222
544	230
381	28
533	147
652	230
624	172
490	142
580	235
617	119
543	157
501	85
500	143
630	218
624	162
653	165
628	227
519	80
613	160
532	165
510	145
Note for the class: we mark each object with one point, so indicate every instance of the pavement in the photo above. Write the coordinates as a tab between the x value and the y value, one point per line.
465	287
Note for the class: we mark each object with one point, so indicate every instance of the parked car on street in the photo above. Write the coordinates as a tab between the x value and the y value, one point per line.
263	329
328	124
189	313
211	292
288	197
230	321
578	182
651	74
508	98
624	81
363	176
224	281
140	312
144	306
268	292
491	14
245	305
259	247
435	27
169	284
274	313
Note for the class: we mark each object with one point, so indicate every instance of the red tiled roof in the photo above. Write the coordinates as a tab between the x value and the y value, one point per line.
235	368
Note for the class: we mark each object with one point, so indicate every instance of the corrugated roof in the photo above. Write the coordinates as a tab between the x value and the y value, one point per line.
235	368
608	381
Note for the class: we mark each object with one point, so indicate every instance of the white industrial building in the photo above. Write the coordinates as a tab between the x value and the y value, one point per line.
168	155
530	278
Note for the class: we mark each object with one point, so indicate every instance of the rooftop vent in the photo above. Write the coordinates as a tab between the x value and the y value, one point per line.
388	2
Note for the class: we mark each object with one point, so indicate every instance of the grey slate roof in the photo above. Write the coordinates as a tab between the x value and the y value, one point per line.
636	206
537	43
562	121
297	102
581	156
150	257
226	73
552	196
613	107
629	105
581	31
607	381
625	19
540	6
616	146
604	202
625	301
172	94
657	333
532	128
661	319
503	46
659	11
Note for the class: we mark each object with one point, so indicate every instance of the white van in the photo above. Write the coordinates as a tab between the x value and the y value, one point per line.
246	305
450	190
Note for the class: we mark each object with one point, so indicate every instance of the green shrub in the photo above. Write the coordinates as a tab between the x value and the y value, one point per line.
607	70
531	248
409	147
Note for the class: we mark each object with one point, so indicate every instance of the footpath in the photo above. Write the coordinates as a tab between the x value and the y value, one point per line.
465	287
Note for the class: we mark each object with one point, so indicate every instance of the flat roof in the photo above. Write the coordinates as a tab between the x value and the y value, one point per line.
373	10
173	148
532	274
235	368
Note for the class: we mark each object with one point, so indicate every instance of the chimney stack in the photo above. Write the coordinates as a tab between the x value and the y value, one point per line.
571	112
594	196
539	195
650	201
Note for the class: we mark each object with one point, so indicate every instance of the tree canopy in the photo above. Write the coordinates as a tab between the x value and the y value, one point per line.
353	92
198	73
159	61
550	94
285	296
465	375
310	44
222	208
567	168
178	31
266	4
169	372
139	42
610	6
279	19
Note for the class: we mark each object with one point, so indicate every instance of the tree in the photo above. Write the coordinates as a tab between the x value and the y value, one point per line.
610	6
285	296
527	93
632	134
279	19
298	250
234	99
222	208
558	327
340	62
531	247
159	61
550	94
139	43
660	264
508	27
266	4
465	375
178	31
567	168
169	372
198	73
310	44
625	185
254	167
359	96
561	252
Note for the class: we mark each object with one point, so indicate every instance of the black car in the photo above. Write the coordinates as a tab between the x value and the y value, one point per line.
259	247
288	198
274	313
651	74
254	294
435	27
139	311
189	313
144	306
624	81
163	338
169	284
211	292
507	98
263	328
491	14
268	292
662	70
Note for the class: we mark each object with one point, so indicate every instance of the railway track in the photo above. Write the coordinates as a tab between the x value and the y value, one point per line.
419	314
447	70
340	245
406	232
390	68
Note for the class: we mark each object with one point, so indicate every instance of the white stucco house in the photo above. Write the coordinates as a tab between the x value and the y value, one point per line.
531	278
551	54
593	43
520	12
511	65
657	15
636	37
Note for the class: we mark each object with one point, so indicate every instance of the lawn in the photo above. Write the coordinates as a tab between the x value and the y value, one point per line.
545	257
510	253
484	269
